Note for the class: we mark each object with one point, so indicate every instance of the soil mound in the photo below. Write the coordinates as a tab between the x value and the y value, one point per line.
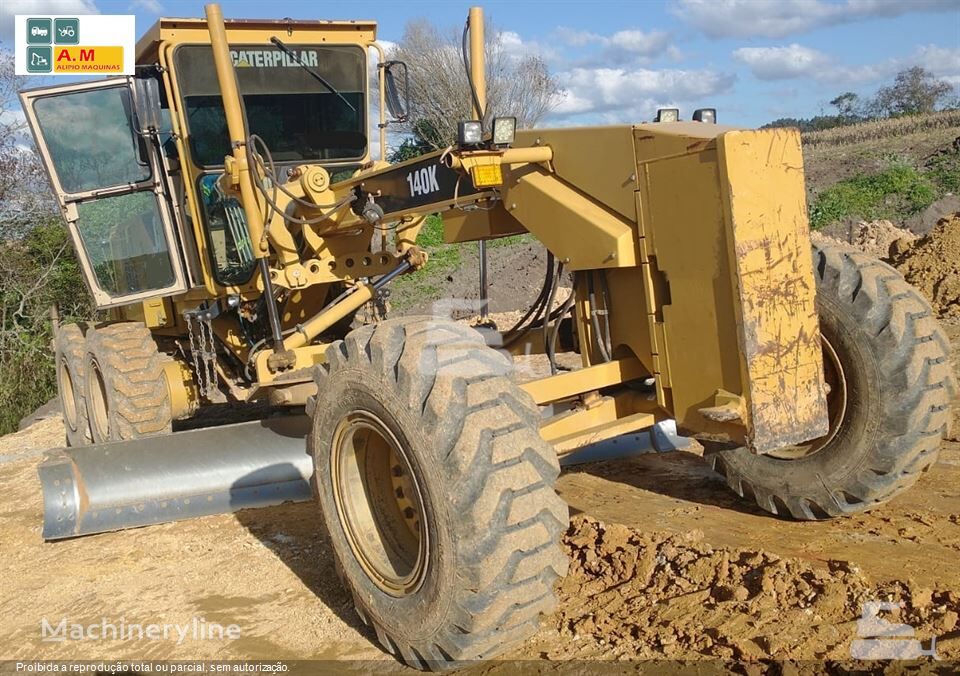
874	237
932	264
636	595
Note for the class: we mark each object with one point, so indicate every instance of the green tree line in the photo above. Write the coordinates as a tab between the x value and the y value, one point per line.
914	91
37	265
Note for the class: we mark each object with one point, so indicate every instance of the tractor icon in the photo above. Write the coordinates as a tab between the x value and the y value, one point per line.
67	31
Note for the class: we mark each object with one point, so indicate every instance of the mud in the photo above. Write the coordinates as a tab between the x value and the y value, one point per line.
932	264
655	594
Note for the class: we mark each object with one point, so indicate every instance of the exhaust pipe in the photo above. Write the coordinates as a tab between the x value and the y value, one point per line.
215	470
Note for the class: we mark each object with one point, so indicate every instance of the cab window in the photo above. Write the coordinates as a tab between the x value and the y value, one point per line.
90	141
299	118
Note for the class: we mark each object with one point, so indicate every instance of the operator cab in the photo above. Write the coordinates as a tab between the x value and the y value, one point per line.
141	200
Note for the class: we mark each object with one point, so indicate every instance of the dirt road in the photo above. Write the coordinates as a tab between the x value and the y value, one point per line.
666	563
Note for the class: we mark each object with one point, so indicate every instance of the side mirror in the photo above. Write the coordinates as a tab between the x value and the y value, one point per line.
146	102
397	87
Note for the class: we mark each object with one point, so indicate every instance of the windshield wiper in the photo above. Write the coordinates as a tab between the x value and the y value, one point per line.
316	76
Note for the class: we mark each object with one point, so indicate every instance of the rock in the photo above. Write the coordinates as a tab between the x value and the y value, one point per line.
927	220
900	246
49	410
727	592
920	596
949	621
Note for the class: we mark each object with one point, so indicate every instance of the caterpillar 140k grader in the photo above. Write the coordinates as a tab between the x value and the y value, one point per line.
226	212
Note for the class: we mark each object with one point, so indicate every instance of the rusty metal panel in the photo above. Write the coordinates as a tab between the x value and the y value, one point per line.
763	195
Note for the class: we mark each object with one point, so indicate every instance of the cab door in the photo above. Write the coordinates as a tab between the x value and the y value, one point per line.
106	173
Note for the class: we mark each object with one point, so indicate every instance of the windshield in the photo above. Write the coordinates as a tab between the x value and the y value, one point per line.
299	119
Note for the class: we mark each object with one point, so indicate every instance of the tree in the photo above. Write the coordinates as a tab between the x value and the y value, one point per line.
37	264
24	191
847	105
517	84
914	91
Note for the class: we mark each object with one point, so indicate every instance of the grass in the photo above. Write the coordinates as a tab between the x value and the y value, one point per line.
944	171
895	193
408	290
512	240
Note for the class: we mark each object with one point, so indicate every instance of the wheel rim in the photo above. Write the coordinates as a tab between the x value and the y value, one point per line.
834	376
68	399
379	503
98	401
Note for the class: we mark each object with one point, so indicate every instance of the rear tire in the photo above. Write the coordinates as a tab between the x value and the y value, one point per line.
898	389
443	517
68	348
126	387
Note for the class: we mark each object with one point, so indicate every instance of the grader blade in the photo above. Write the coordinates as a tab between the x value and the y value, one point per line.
216	470
219	470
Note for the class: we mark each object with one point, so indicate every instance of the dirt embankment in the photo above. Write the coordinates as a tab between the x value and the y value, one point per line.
932	264
876	238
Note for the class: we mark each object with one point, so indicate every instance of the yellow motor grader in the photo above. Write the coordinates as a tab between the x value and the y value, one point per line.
227	214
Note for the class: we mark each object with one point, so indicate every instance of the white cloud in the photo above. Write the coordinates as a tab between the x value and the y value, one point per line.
781	63
796	61
622	47
779	18
941	61
514	46
619	94
151	6
10	8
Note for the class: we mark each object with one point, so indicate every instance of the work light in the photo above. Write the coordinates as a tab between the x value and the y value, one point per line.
469	133
667	115
504	130
708	115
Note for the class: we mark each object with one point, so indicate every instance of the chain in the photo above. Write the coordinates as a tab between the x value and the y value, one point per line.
203	348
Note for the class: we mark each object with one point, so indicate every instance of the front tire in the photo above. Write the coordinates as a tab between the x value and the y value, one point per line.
126	389
437	491
896	385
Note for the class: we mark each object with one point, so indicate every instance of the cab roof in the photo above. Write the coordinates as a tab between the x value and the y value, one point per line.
173	29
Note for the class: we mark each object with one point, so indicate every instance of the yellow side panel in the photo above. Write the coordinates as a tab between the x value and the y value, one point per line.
470	226
597	161
580	232
763	194
691	314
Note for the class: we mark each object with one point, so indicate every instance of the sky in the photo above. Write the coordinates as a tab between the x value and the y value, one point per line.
616	62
